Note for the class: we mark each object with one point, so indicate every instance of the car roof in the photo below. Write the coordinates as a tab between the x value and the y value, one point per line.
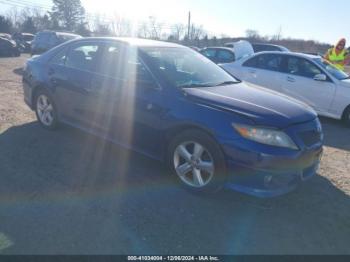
302	55
137	42
27	34
64	33
218	48
56	32
266	44
4	39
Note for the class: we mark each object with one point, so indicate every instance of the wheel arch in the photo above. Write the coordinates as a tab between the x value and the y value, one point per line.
174	131
35	91
344	111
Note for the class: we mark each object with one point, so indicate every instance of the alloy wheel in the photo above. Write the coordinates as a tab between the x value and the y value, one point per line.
45	110
194	164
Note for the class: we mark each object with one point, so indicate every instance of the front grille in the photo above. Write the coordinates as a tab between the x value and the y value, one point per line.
311	137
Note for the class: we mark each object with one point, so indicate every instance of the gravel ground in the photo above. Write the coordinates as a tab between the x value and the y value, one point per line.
67	192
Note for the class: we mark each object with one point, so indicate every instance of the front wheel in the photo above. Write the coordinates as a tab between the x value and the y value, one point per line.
346	117
45	110
198	162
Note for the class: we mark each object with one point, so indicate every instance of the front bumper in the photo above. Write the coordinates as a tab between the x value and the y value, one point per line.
265	171
269	183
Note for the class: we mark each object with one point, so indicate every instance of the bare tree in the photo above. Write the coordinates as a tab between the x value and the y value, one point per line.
278	35
121	26
196	32
101	27
151	29
143	30
178	31
15	17
252	34
155	27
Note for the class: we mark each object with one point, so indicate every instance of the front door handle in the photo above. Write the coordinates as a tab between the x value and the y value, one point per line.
51	71
291	79
252	71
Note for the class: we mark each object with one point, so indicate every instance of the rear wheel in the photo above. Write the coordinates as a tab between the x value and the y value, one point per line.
197	161
45	110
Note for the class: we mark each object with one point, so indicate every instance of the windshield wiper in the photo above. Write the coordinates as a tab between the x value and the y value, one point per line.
226	83
193	85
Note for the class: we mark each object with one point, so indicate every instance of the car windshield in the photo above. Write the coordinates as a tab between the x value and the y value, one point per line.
335	72
183	67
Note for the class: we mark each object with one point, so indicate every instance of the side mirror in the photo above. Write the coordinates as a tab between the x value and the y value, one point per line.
320	77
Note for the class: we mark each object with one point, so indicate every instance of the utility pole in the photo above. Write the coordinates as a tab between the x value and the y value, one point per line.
189	25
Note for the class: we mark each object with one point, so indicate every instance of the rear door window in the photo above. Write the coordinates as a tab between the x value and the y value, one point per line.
120	62
271	62
83	56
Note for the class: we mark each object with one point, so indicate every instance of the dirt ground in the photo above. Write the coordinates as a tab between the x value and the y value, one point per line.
50	180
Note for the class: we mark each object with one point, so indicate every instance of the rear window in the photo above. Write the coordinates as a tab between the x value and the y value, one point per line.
28	37
64	38
270	62
210	53
261	48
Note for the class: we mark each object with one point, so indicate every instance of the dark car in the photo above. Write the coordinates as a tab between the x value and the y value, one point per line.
46	40
8	47
24	41
261	47
172	104
219	55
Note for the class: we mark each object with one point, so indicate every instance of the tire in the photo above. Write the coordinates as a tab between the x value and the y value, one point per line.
346	116
46	110
195	172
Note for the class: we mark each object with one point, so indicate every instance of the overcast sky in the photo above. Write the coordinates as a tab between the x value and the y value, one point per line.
321	20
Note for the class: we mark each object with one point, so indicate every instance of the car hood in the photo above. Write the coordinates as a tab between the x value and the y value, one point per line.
345	82
264	107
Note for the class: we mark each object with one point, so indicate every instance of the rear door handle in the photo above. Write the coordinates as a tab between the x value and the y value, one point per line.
252	71
53	81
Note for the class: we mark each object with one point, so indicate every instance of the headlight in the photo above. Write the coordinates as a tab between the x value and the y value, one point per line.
266	136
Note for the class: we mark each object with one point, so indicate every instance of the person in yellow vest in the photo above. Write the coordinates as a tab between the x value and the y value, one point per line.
339	56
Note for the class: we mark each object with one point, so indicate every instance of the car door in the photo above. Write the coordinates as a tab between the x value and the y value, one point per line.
264	70
299	82
128	102
73	81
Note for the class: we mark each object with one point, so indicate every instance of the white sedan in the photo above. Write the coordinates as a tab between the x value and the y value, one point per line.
307	78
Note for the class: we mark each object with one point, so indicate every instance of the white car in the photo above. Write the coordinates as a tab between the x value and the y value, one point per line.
307	78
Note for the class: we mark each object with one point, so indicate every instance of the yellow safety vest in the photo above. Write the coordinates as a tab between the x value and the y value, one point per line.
337	59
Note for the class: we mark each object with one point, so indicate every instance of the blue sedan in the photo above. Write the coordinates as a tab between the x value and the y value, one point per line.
173	104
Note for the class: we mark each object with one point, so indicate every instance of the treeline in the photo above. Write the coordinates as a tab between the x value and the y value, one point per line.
70	15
